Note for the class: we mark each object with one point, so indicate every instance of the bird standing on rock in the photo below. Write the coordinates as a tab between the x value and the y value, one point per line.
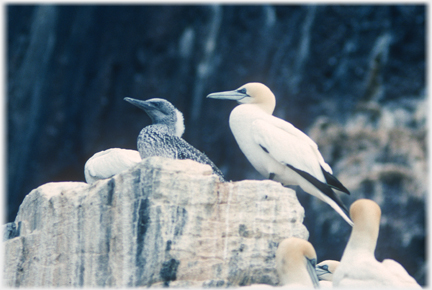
163	137
358	266
277	149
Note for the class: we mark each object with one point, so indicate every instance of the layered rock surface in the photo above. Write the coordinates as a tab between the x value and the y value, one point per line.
163	222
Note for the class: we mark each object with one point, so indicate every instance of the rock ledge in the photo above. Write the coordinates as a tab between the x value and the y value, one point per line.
163	222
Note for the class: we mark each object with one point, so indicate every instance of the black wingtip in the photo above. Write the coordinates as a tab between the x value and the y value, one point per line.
334	182
323	187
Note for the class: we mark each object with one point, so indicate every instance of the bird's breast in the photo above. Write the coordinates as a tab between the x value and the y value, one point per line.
241	125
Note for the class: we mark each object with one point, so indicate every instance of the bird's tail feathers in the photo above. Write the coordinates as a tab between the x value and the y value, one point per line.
328	195
339	210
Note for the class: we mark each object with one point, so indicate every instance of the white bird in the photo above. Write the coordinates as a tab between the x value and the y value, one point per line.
358	266
277	149
325	271
295	263
110	162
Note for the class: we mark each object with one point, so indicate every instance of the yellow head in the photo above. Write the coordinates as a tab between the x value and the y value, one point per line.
295	262
250	93
365	211
326	269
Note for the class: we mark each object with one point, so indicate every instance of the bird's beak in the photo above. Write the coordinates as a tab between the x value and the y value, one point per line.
321	272
227	95
144	105
310	265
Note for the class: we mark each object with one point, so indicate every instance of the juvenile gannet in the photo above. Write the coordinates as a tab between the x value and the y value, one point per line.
163	137
277	149
110	162
325	271
358	266
295	263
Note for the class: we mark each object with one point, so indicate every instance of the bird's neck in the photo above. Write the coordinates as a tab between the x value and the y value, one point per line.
267	107
295	274
179	125
363	239
170	127
161	128
253	109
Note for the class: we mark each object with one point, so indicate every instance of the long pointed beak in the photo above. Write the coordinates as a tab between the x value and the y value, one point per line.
144	105
321	272
310	266
227	95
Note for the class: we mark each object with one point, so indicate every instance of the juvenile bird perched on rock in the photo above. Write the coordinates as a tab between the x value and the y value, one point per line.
107	163
277	149
295	263
163	137
358	266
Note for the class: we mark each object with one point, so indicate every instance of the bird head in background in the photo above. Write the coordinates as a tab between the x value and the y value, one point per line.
326	269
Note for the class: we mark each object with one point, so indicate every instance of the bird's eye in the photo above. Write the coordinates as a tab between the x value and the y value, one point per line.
324	267
242	91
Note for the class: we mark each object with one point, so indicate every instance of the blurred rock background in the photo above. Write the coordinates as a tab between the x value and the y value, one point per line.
352	77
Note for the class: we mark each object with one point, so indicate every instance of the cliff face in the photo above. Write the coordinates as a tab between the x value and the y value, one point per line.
163	222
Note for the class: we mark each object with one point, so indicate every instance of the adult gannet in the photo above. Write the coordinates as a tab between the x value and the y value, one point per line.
163	137
325	271
276	148
295	263
358	266
108	163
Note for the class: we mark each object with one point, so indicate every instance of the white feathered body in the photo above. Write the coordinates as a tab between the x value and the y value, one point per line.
110	162
253	128
360	269
270	143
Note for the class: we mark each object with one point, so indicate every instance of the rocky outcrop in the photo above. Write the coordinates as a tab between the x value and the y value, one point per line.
163	222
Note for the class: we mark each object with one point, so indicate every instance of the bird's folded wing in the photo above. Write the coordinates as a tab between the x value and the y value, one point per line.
187	151
289	128
295	148
288	145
